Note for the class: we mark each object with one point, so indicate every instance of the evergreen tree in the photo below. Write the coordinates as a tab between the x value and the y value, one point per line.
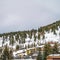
47	51
17	37
23	40
17	47
3	41
39	57
12	40
54	32
55	48
43	37
34	38
38	36
6	54
34	44
28	46
11	54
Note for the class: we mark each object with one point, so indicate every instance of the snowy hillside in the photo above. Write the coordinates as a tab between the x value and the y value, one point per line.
22	41
35	38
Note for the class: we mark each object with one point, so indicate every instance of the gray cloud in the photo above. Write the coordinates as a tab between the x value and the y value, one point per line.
27	14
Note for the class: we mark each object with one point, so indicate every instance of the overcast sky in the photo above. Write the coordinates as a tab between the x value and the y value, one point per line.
18	15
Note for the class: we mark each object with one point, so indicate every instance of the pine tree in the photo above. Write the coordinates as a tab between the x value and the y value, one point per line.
54	32
34	44
17	37
6	53
3	41
38	36
34	38
39	57
17	47
28	46
47	51
12	40
55	48
11	53
43	36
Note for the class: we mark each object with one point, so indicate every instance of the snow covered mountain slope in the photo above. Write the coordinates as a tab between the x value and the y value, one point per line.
28	39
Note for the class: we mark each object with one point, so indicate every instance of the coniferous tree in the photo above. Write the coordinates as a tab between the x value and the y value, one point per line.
17	37
11	53
34	44
54	32
28	46
34	38
3	41
55	48
12	40
43	37
17	47
39	57
38	36
47	51
6	54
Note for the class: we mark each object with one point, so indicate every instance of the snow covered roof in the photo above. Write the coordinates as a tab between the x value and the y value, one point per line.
30	48
52	45
35	54
19	51
40	46
54	55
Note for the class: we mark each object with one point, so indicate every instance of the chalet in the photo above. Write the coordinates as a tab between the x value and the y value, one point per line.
53	57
